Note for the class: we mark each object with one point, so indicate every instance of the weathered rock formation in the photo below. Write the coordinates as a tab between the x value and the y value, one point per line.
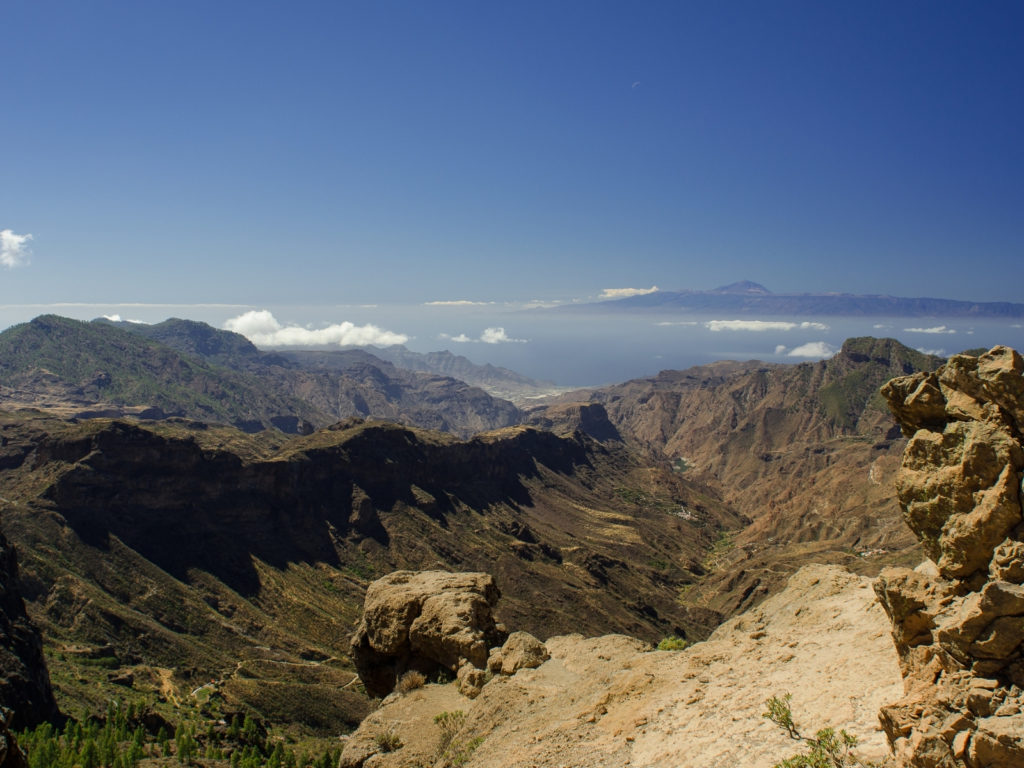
424	620
958	624
24	680
612	702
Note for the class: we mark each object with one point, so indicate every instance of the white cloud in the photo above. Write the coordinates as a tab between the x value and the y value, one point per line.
933	329
780	348
676	322
457	303
936	352
489	336
622	293
263	330
762	325
818	349
14	250
116	318
498	336
880	326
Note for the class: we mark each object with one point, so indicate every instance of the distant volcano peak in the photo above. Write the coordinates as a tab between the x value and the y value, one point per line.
743	286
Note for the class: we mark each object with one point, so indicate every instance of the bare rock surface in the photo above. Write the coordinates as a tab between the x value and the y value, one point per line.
424	620
612	701
958	623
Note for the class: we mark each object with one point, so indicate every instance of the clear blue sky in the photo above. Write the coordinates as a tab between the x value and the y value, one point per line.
254	152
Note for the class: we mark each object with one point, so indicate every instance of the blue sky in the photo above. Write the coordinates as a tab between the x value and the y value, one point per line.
344	152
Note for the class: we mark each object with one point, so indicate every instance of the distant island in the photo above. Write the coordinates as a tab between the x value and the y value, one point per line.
746	297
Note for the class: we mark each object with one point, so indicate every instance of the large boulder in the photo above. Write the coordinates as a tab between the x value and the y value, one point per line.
958	621
424	620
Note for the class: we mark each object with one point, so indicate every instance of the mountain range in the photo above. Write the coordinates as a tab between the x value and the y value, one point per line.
226	532
746	297
188	369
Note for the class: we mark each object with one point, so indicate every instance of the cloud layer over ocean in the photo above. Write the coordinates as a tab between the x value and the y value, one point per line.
263	330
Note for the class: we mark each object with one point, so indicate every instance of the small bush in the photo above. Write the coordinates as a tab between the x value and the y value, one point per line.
673	643
388	740
450	723
410	681
826	750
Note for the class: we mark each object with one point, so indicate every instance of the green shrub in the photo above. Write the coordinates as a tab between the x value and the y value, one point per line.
673	643
388	740
826	750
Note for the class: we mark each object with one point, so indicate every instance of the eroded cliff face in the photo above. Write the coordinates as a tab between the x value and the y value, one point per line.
24	681
176	547
808	452
958	622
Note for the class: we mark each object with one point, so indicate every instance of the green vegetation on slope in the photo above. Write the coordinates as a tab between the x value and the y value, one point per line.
102	363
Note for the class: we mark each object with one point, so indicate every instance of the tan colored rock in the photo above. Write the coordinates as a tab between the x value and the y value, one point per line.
998	742
471	680
613	702
959	629
1008	562
960	491
522	651
916	401
423	620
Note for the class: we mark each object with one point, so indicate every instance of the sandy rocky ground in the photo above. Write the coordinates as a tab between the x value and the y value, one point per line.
612	701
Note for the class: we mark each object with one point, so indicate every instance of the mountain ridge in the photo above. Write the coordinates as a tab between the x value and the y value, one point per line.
746	297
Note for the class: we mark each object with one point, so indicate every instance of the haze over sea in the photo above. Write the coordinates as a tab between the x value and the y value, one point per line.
578	348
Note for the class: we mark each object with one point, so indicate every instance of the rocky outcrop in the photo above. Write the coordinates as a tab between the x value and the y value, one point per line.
612	701
24	680
424	621
567	418
958	622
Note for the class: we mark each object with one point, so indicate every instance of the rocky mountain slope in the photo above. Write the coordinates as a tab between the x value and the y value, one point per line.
948	680
612	701
352	382
88	369
807	452
185	368
162	555
493	379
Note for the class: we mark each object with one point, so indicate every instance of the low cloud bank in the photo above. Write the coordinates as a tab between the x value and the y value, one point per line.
116	318
14	250
622	293
457	303
933	329
762	325
263	330
489	336
812	349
